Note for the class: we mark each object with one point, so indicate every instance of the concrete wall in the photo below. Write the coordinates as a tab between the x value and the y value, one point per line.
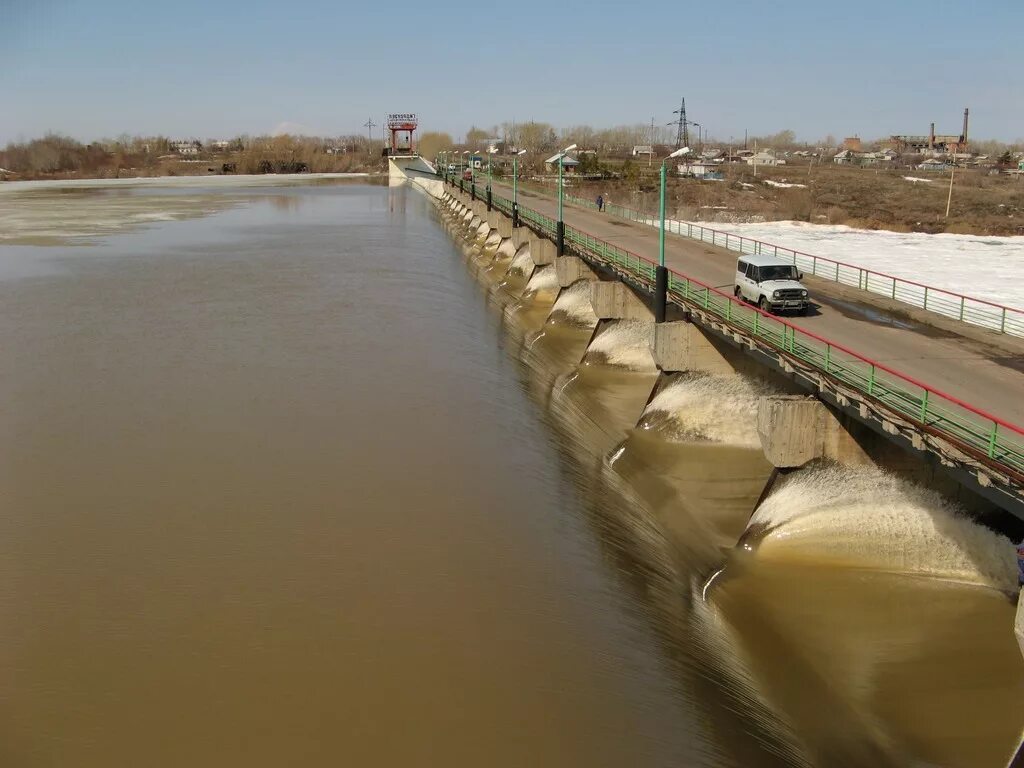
795	430
681	346
614	300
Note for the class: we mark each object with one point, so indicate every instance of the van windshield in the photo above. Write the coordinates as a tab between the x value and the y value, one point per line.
779	272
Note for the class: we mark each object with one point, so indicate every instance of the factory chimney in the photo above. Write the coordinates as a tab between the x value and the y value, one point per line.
931	137
963	139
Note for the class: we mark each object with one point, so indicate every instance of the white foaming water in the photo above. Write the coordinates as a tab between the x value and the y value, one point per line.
867	518
522	264
718	408
544	280
574	306
624	343
506	250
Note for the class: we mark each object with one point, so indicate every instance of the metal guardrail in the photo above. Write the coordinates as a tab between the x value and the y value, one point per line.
980	433
966	309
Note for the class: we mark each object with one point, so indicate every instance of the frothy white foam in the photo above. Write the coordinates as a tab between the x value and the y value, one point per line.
522	264
574	305
544	280
864	517
506	250
624	343
718	408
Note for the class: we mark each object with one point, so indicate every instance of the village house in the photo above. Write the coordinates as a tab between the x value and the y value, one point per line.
190	147
763	157
568	163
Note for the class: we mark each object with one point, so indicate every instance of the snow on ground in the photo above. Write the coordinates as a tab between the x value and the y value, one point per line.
917	179
783	184
983	267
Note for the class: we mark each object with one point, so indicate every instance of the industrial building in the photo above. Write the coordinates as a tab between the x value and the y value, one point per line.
933	142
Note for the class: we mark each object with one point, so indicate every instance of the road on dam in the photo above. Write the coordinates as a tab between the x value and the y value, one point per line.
982	368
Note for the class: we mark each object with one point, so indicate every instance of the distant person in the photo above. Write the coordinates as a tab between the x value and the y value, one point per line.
600	203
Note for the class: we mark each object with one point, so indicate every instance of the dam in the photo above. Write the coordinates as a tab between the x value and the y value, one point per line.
353	474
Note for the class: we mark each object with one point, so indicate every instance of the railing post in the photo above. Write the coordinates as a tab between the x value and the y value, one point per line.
660	293
488	199
992	440
515	215
924	408
472	190
560	238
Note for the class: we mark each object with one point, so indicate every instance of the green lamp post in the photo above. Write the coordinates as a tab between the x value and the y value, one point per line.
560	224
515	187
661	272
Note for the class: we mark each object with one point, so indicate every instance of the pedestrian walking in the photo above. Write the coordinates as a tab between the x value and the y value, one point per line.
600	203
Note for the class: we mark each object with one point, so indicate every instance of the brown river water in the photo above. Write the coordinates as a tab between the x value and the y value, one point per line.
296	475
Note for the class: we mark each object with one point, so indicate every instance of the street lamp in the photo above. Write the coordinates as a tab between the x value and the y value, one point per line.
700	144
661	273
560	227
515	188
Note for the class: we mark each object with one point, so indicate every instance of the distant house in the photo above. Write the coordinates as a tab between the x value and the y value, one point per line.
702	170
853	143
845	157
643	149
763	157
190	147
1020	166
568	163
934	164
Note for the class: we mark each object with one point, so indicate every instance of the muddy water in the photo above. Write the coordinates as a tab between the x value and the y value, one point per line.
292	478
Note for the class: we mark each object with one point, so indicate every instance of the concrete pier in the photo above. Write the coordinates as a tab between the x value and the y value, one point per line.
614	300
795	430
680	346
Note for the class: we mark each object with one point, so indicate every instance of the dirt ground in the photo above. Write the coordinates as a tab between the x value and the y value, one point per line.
870	198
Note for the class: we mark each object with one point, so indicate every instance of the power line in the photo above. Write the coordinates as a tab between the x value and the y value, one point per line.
369	125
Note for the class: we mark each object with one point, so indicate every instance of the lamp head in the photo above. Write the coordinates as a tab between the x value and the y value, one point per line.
570	148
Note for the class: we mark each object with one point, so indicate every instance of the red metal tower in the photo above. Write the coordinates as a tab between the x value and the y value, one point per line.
402	127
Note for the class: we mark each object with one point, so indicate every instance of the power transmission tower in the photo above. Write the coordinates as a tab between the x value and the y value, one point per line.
369	125
683	126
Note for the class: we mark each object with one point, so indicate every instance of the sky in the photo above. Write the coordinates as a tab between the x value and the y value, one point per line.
221	68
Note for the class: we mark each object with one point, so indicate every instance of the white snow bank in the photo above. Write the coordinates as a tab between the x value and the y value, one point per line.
783	184
917	179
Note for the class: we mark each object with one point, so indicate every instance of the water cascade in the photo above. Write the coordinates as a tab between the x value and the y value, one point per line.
868	518
623	344
573	306
721	409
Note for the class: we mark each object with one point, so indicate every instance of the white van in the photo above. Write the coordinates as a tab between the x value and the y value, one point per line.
771	283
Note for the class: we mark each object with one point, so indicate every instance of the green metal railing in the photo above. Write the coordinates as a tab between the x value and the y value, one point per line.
966	309
975	431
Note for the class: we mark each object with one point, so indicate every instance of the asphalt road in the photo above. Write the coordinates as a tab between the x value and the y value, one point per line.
980	367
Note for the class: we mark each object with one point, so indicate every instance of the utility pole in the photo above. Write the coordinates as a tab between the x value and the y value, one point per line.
650	139
952	170
369	125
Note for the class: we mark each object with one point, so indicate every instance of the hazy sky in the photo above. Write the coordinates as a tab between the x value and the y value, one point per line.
219	68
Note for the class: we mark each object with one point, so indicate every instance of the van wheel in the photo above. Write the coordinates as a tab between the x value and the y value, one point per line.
736	293
763	305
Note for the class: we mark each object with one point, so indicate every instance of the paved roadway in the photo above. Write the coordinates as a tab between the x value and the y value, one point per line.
980	367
